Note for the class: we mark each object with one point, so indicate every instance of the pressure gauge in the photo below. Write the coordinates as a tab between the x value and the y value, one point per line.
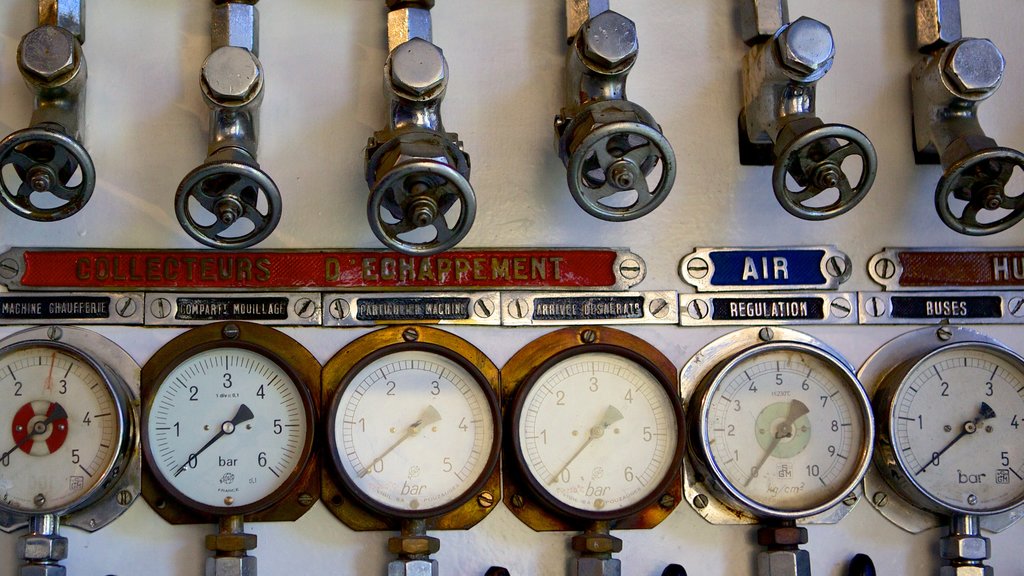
781	425
594	423
953	441
229	419
412	423
69	427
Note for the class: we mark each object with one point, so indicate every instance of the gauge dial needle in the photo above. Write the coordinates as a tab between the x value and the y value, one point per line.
38	428
430	416
985	412
244	414
611	416
797	409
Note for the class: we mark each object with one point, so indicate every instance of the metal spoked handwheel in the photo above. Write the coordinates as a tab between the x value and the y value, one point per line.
619	157
46	162
418	195
228	192
815	161
980	180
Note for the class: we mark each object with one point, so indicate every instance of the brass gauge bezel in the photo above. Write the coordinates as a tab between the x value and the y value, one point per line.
523	493
299	492
120	485
342	497
904	503
707	489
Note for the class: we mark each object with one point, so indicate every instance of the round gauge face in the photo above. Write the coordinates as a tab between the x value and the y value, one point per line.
598	433
227	430
413	432
786	428
60	428
957	427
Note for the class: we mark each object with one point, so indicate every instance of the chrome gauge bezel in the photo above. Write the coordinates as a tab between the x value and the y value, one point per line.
121	483
886	485
708	490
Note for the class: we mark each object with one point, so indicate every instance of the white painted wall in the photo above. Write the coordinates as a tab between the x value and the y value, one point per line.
147	128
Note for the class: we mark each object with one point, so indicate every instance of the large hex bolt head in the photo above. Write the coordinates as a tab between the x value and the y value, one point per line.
413	568
608	41
43	570
42	548
47	53
975	66
966	571
784	563
961	547
418	68
806	47
232	74
589	566
231	566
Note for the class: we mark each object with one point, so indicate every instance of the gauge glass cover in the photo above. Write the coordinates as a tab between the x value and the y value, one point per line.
785	428
60	426
957	427
227	429
413	431
597	432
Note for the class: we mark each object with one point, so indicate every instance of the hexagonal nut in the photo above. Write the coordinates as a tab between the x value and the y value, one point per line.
937	23
965	548
67	14
784	562
43	570
410	545
232	74
399	4
597	567
236	24
413	568
782	536
609	42
966	571
806	47
230	542
47	548
418	69
761	19
231	566
596	543
974	66
48	53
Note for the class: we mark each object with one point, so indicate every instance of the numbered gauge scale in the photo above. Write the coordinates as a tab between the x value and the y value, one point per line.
781	430
950	450
413	435
595	436
229	415
70	434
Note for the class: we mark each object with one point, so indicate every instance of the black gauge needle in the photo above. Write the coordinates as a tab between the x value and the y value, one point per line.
38	428
797	409
970	427
243	415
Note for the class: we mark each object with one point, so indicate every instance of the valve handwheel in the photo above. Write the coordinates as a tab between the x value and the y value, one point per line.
980	179
417	195
619	157
46	161
228	192
815	161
